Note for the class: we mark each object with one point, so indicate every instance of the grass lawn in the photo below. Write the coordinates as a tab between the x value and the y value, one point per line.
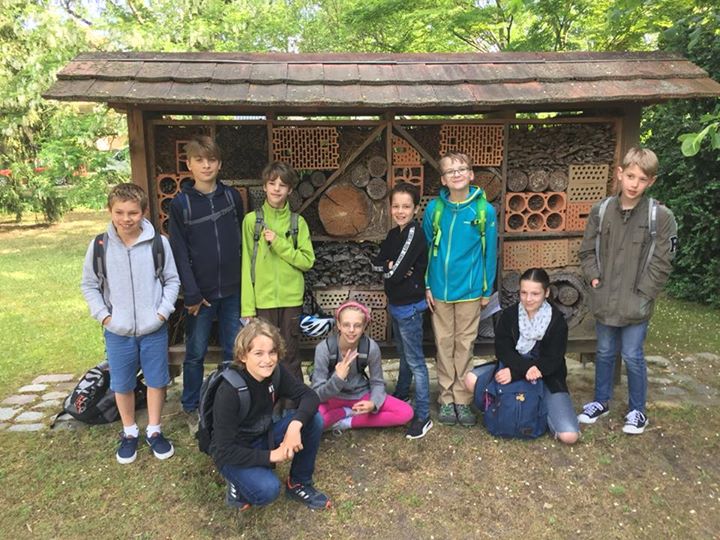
455	483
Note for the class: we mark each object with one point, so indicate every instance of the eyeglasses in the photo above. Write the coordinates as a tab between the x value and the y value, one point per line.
455	172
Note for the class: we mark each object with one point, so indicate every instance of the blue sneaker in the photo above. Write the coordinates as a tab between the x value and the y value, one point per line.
127	451
307	495
161	447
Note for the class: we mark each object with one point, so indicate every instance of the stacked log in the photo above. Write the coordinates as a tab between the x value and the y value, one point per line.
344	211
345	264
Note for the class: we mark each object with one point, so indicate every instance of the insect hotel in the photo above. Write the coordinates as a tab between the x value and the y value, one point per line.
544	130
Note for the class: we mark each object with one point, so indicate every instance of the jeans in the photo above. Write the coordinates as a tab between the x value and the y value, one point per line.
197	334
408	336
260	485
630	340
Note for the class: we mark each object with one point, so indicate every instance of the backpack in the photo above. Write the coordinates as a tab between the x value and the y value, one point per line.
652	228
515	410
480	202
361	361
188	220
100	264
207	400
92	401
259	225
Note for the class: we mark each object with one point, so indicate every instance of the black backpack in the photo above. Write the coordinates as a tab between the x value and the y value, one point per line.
92	401
207	400
100	266
361	361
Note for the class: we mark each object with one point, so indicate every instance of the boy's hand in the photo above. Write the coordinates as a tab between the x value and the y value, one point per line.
533	374
280	454
430	300
363	407
269	235
106	320
292	439
503	376
484	301
342	368
163	319
595	283
195	308
390	264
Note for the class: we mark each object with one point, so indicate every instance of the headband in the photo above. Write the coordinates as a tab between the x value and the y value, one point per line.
352	304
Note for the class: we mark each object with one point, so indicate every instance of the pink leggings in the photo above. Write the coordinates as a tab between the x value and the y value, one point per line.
394	412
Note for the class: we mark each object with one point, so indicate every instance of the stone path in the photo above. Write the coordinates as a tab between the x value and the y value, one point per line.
33	406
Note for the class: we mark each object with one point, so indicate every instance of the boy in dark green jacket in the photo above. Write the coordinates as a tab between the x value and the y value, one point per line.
276	252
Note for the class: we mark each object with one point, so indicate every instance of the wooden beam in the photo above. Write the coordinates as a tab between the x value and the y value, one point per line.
416	145
374	135
139	169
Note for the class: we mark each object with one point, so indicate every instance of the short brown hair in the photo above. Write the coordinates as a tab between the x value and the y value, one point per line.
255	328
643	158
410	189
457	156
203	146
128	192
281	170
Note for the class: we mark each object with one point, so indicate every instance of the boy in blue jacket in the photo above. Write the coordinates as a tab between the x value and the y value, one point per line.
461	228
205	223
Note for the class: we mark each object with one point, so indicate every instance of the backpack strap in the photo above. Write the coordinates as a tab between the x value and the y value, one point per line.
158	253
240	385
598	233
437	232
259	224
293	231
652	227
99	264
481	203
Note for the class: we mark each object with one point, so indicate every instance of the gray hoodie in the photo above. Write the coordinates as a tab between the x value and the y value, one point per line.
133	296
356	385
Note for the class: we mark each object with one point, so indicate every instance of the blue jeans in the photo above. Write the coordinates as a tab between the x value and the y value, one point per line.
197	334
561	415
127	354
630	340
408	337
260	485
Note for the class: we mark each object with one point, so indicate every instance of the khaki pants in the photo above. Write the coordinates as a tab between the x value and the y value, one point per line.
455	326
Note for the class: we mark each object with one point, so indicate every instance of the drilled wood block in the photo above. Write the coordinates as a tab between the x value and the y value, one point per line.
573	249
371	299
576	215
377	165
378	329
331	299
525	254
587	183
403	154
483	143
306	147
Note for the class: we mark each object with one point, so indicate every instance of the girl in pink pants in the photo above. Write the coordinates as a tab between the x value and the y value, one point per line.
348	377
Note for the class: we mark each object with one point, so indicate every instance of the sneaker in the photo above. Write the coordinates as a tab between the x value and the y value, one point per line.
161	447
465	416
447	414
418	428
307	495
192	420
635	423
592	411
232	498
127	451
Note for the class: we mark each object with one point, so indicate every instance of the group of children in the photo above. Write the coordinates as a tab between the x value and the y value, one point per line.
447	265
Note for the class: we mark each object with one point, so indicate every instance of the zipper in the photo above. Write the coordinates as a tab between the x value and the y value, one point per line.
132	290
217	244
447	255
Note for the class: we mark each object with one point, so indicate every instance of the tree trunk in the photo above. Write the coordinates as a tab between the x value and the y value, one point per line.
344	211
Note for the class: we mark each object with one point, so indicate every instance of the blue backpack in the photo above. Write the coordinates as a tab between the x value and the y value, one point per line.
515	410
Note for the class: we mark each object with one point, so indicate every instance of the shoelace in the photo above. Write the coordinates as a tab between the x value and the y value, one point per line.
590	408
635	417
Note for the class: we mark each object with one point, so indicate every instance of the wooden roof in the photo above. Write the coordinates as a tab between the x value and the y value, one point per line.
422	83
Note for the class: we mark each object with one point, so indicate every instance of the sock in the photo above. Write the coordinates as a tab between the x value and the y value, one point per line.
348	412
131	431
152	430
342	424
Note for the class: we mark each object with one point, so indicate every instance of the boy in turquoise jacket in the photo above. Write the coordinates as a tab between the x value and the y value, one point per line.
276	252
461	229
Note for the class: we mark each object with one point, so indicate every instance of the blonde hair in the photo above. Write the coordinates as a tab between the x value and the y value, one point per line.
128	192
643	158
253	329
457	156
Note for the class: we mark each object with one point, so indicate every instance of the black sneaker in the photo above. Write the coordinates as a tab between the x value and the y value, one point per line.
635	423
418	428
307	495
592	411
232	498
401	397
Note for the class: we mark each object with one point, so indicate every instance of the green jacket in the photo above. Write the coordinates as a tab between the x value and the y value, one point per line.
279	267
625	294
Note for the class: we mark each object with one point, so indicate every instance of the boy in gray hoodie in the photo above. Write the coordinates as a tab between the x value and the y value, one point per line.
133	305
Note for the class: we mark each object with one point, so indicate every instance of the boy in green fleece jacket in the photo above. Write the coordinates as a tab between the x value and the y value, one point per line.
274	259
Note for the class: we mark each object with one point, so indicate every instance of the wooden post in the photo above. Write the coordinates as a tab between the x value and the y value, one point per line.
139	151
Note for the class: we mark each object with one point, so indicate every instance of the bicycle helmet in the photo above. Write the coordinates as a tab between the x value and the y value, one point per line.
315	326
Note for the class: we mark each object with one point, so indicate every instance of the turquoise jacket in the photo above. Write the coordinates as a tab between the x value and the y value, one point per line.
455	273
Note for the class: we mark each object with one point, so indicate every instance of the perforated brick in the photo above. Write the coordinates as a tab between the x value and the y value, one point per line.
424	201
521	255
536	212
371	299
587	183
185	180
164	205
306	147
411	175
167	184
573	249
483	143
378	325
403	154
331	299
576	215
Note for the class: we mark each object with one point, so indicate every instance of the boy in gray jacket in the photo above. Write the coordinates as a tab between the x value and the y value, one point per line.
626	255
133	305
